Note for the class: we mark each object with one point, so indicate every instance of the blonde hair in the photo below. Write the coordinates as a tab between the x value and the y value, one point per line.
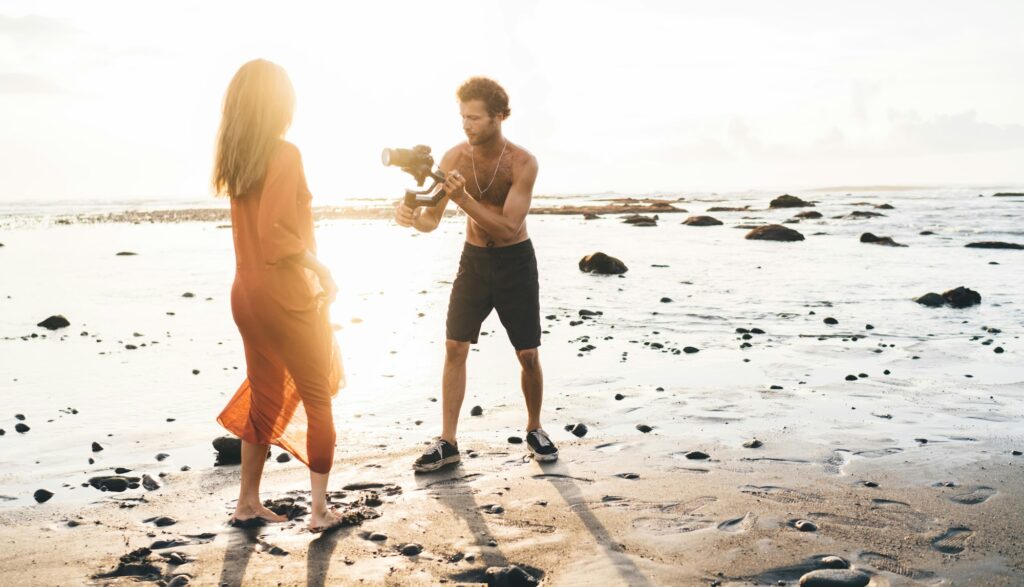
258	109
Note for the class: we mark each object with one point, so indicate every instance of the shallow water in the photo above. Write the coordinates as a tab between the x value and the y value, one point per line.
716	279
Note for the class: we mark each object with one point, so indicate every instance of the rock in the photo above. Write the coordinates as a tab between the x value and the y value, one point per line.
1007	195
666	300
188	294
411	549
178	581
788	201
834	562
830	321
21	427
998	350
149	483
994	245
805	526
164	521
476	411
931	299
377	536
284	457
774	232
867	237
229	450
809	215
851	377
690	350
42	495
510	576
644	428
515	440
590	216
115	483
885	207
728	209
162	456
962	297
863	214
585	313
96	447
702	221
126	254
602	264
195	371
639	220
753	443
696	455
834	578
619	397
55	322
579	430
1016	453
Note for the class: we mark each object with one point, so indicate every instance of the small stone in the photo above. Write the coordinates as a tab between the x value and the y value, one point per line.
868	327
834	578
690	350
42	495
476	411
188	294
697	455
998	350
515	440
754	443
619	397
831	321
510	576
149	483
870	484
195	371
178	581
377	537
162	456
412	549
284	457
55	322
21	427
851	377
96	447
805	526
666	300
834	562
579	430
164	521
1016	453
644	428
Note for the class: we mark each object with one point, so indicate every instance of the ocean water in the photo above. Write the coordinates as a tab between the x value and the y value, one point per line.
390	319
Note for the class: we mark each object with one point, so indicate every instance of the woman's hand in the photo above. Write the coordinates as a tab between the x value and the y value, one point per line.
329	286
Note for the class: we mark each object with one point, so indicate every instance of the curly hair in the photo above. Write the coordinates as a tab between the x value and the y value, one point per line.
489	92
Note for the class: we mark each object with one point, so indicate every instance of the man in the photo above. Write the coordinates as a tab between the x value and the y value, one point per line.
492	180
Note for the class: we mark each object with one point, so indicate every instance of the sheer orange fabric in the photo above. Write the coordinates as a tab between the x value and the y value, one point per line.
293	364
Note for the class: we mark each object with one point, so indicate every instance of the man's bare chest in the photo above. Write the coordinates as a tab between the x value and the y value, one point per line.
486	180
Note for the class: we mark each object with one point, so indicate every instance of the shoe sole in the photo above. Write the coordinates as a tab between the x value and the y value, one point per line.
438	465
543	458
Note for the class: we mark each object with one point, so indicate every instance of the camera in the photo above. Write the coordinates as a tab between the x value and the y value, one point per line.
417	162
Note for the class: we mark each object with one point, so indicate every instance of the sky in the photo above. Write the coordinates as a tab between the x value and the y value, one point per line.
121	100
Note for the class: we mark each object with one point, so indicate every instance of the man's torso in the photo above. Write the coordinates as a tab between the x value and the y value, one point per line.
489	183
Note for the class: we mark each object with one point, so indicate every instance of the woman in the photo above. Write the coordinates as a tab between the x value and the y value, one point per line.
280	296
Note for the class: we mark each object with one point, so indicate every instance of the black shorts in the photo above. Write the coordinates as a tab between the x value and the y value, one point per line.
502	278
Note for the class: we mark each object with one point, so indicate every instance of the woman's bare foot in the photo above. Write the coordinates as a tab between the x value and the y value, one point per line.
244	512
318	522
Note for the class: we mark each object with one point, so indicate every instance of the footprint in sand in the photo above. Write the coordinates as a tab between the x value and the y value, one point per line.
741	524
953	541
840	520
890	564
878	452
975	496
901	513
834	464
673	525
779	494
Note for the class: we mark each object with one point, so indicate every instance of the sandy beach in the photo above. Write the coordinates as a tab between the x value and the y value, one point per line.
888	433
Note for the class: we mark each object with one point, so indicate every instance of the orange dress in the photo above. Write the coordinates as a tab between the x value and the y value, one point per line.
291	356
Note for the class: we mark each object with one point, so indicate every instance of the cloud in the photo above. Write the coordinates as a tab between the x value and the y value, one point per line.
27	83
952	133
34	26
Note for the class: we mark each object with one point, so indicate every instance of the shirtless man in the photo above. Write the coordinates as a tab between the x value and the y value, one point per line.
492	180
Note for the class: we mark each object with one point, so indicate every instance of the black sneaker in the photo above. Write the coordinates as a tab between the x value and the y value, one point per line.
440	454
541	447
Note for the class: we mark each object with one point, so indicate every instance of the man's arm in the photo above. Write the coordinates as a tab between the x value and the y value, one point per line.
427	218
504	225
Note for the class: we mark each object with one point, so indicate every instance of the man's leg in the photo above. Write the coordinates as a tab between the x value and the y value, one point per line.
453	387
532	380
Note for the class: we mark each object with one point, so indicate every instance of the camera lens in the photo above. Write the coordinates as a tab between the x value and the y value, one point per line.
385	157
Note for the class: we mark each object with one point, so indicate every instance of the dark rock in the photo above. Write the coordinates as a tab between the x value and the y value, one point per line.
229	450
851	377
515	440
96	447
644	428
21	427
885	207
754	443
126	254
590	216
182	580
834	562
962	297
602	264
834	578
150	483
584	313
666	300
630	476
115	483
377	536
284	457
690	350
164	521
579	430
1016	453
931	299
510	576
619	397
774	232
788	201
476	411
702	221
188	294
867	237
55	322
863	214
809	215
805	526
411	549
830	321
1008	195
728	209
994	245
639	220
998	350
195	371
162	456
696	455
42	495
926	233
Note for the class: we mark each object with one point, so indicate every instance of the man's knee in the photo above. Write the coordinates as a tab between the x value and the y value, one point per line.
456	351
529	359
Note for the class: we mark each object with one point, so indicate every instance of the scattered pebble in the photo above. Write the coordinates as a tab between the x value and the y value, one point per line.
515	440
42	495
412	549
805	526
753	443
644	428
834	578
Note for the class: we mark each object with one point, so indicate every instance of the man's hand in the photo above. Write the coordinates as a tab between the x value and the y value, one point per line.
455	187
403	215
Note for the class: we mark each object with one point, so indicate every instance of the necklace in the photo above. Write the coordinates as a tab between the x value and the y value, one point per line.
472	154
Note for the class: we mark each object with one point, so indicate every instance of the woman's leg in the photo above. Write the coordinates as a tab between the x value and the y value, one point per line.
249	504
